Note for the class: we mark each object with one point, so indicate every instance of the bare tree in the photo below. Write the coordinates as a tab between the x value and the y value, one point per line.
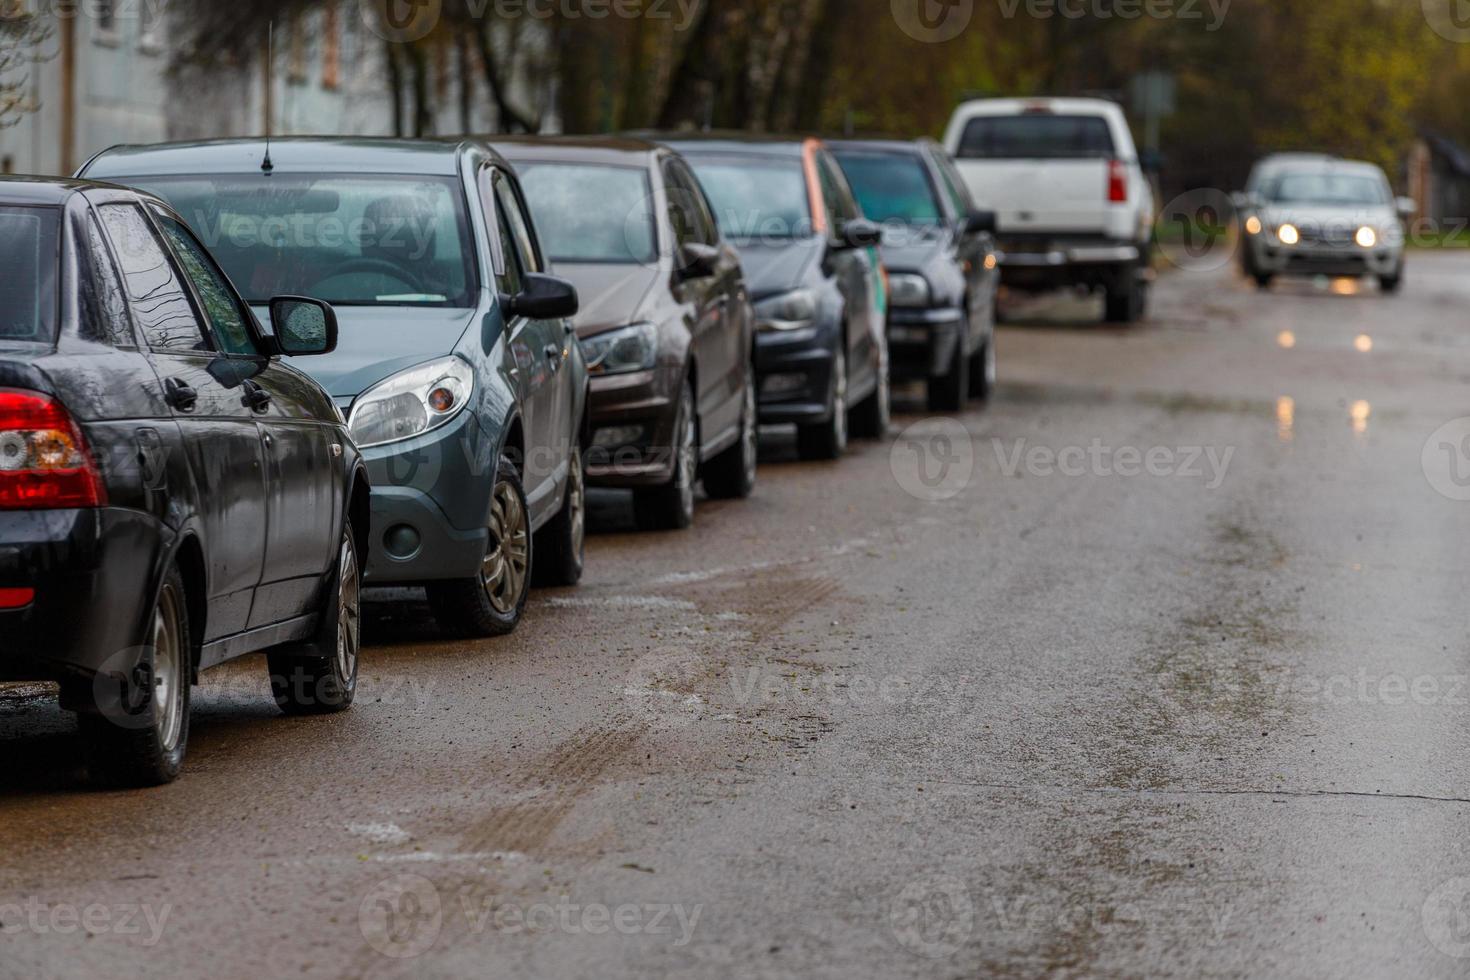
24	42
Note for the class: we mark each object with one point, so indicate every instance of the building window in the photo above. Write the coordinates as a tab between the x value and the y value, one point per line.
331	48
105	11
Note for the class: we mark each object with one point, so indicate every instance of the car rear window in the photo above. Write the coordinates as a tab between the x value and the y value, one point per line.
29	296
590	212
1037	136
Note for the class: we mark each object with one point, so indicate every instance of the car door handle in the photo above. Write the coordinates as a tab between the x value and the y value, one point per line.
180	395
553	354
256	398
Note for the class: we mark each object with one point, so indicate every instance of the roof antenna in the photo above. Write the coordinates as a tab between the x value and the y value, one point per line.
266	166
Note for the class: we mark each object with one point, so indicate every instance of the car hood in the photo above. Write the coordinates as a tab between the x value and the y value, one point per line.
610	295
912	248
1330	216
778	266
376	342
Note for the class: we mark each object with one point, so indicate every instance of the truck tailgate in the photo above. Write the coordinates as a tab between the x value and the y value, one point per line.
1041	195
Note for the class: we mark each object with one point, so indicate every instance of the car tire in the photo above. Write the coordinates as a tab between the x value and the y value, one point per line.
561	545
1391	284
982	371
951	391
147	748
1126	299
828	440
871	418
1263	280
320	678
670	507
731	475
493	601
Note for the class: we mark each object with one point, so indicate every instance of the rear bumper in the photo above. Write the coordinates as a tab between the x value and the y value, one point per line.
93	572
794	371
1052	261
921	343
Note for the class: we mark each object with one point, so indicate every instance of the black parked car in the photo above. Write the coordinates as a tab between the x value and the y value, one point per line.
172	494
812	266
666	324
942	271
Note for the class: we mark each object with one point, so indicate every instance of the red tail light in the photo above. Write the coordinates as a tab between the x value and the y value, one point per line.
44	462
16	598
1117	182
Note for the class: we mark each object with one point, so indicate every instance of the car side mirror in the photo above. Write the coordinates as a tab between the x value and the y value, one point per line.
861	233
1240	200
543	297
303	326
980	223
1407	207
698	260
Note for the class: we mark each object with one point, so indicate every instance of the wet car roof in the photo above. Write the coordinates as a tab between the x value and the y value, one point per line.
625	151
291	155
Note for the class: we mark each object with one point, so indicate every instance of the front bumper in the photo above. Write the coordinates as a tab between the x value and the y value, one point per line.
633	415
1324	260
794	371
430	504
921	343
93	574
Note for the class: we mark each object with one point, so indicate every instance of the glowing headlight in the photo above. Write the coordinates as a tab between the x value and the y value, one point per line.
908	290
1252	225
623	350
788	311
1366	237
1288	234
411	402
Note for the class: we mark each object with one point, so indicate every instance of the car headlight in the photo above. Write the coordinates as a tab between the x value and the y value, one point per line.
1252	225
411	402
1288	234
788	311
623	350
908	290
1366	237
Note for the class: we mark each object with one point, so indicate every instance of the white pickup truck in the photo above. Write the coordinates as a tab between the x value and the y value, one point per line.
1073	205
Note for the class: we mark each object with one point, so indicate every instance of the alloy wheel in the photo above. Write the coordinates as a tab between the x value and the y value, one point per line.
349	612
503	574
168	671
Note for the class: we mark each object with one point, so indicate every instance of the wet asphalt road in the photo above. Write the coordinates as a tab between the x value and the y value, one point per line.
1160	667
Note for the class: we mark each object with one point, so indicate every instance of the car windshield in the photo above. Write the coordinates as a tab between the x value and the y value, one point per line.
1320	188
1037	136
591	213
352	241
892	187
28	282
756	198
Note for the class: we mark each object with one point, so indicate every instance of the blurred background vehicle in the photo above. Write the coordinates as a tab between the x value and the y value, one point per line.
458	368
942	271
813	271
1324	216
173	495
1073	206
1246	202
665	321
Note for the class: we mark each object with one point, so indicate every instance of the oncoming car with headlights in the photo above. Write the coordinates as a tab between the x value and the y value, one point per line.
666	325
457	366
1324	216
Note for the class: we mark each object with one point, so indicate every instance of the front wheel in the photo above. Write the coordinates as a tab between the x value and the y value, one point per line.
1126	298
561	545
731	475
870	419
320	678
140	738
492	603
828	440
671	506
982	371
950	391
1391	284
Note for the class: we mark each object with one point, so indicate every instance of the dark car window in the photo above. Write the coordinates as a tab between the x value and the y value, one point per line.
104	308
688	209
221	308
29	294
591	213
892	187
164	313
756	198
954	185
1326	188
1037	136
842	207
509	283
382	240
509	202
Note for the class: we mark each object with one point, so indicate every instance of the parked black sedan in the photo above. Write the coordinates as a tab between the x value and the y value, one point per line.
942	273
172	494
813	269
665	324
